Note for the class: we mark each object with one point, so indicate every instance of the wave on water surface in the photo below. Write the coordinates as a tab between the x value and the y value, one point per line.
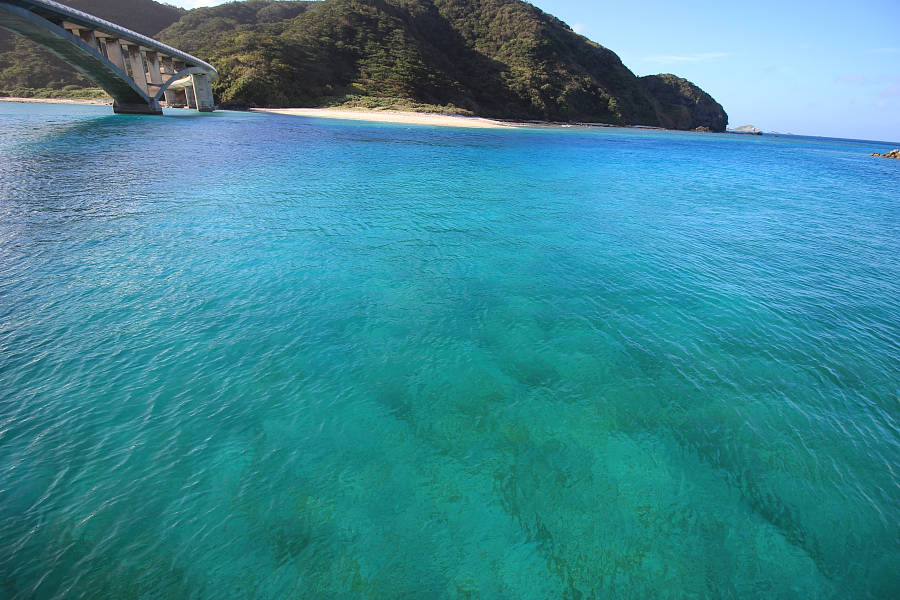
255	356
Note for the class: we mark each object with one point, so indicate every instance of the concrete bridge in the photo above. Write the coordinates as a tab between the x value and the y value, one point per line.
138	72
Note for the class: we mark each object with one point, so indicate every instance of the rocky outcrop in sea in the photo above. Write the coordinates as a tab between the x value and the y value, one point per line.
895	153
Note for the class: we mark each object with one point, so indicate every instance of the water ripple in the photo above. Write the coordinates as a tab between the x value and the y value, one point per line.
350	360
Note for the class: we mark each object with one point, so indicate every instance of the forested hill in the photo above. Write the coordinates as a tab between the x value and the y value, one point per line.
25	66
144	16
495	58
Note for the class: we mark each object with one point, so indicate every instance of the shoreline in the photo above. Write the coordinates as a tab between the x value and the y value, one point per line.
435	119
362	114
81	101
381	116
391	116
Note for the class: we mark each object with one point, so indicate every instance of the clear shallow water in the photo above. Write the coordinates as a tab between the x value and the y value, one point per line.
247	356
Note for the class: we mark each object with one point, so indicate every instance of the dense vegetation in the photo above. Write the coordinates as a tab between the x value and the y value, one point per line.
682	105
496	58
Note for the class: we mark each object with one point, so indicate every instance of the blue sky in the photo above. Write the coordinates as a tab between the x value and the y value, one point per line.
794	66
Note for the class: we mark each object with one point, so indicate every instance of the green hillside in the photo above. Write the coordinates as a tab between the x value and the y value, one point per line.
495	58
682	105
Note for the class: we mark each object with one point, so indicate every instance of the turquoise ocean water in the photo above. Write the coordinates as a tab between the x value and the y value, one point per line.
254	356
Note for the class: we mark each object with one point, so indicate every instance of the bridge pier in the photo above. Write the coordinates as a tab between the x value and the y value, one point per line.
190	97
180	100
203	92
153	71
88	37
136	62
114	53
169	69
151	108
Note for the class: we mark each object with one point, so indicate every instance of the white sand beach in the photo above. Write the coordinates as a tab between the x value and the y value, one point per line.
56	100
391	116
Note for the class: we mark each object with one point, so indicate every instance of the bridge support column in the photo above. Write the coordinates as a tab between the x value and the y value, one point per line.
136	62
114	53
203	92
190	97
87	36
153	71
180	98
169	69
139	75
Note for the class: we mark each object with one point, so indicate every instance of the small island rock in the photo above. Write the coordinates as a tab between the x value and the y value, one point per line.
895	153
750	129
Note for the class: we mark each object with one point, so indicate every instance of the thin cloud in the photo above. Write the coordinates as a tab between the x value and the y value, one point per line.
683	58
580	28
852	79
888	97
891	92
892	83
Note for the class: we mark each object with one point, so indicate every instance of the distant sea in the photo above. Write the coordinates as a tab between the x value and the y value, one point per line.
257	356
